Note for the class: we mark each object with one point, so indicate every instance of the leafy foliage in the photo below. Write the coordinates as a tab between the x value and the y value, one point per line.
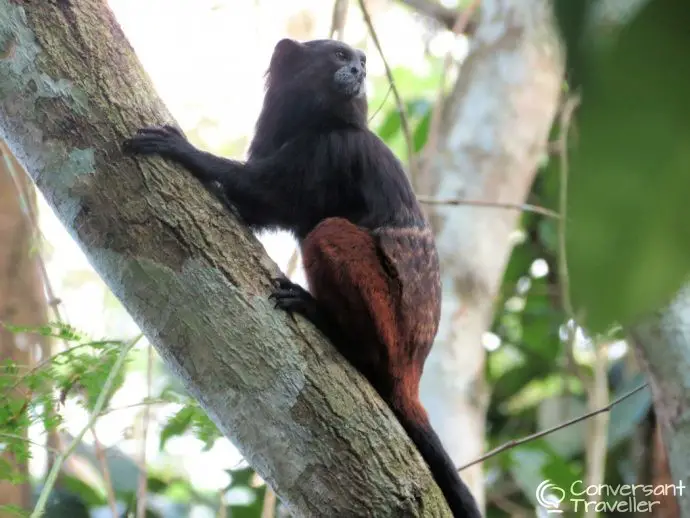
12	510
190	418
35	395
628	240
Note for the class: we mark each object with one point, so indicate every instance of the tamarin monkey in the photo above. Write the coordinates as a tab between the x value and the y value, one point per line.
317	171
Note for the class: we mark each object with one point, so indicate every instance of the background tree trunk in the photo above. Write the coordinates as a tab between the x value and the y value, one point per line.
22	298
497	121
662	345
195	281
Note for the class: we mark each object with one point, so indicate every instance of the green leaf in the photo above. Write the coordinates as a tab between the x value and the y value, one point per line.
390	126
87	494
628	240
177	425
421	132
13	510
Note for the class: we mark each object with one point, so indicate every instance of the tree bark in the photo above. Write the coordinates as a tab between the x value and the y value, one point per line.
497	121
22	298
662	344
195	281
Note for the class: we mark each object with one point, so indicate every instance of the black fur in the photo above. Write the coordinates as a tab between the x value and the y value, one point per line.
313	157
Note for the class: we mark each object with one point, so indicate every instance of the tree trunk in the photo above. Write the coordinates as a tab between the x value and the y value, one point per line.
22	299
195	281
662	344
497	122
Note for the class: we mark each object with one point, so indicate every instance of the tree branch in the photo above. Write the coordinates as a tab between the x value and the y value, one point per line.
662	345
538	435
194	280
402	112
493	133
440	13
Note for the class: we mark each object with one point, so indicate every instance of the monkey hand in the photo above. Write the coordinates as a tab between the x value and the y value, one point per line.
166	141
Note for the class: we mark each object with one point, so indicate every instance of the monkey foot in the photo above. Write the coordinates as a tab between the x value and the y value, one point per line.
291	297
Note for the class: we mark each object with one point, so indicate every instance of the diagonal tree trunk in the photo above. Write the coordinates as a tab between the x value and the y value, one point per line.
194	280
497	121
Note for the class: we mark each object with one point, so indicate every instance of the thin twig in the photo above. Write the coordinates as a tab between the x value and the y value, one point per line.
222	506
142	487
338	19
269	508
398	100
46	361
292	263
39	509
100	455
440	13
517	442
525	207
566	117
385	98
24	439
597	433
566	114
149	402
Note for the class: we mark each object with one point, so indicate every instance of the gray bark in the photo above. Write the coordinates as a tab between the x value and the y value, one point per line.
194	280
662	344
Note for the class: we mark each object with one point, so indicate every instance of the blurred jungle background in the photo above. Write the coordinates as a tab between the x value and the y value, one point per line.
559	198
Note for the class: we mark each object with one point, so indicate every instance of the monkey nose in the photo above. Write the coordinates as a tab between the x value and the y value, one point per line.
357	72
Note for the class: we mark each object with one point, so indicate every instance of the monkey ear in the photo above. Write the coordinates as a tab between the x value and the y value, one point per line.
286	47
285	55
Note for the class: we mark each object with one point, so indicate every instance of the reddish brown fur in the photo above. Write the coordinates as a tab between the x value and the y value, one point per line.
381	289
374	287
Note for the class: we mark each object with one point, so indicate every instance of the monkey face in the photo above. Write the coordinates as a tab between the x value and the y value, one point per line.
328	66
348	79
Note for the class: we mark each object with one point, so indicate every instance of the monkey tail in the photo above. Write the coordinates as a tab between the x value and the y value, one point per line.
457	494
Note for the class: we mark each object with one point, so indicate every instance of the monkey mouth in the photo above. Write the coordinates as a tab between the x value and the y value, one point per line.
356	88
349	82
361	88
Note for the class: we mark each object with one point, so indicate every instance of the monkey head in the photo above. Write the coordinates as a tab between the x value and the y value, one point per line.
329	68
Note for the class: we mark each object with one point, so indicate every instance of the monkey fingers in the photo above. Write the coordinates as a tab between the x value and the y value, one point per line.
165	129
166	141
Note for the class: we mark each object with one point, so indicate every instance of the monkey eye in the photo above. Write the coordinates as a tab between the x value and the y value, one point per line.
340	55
